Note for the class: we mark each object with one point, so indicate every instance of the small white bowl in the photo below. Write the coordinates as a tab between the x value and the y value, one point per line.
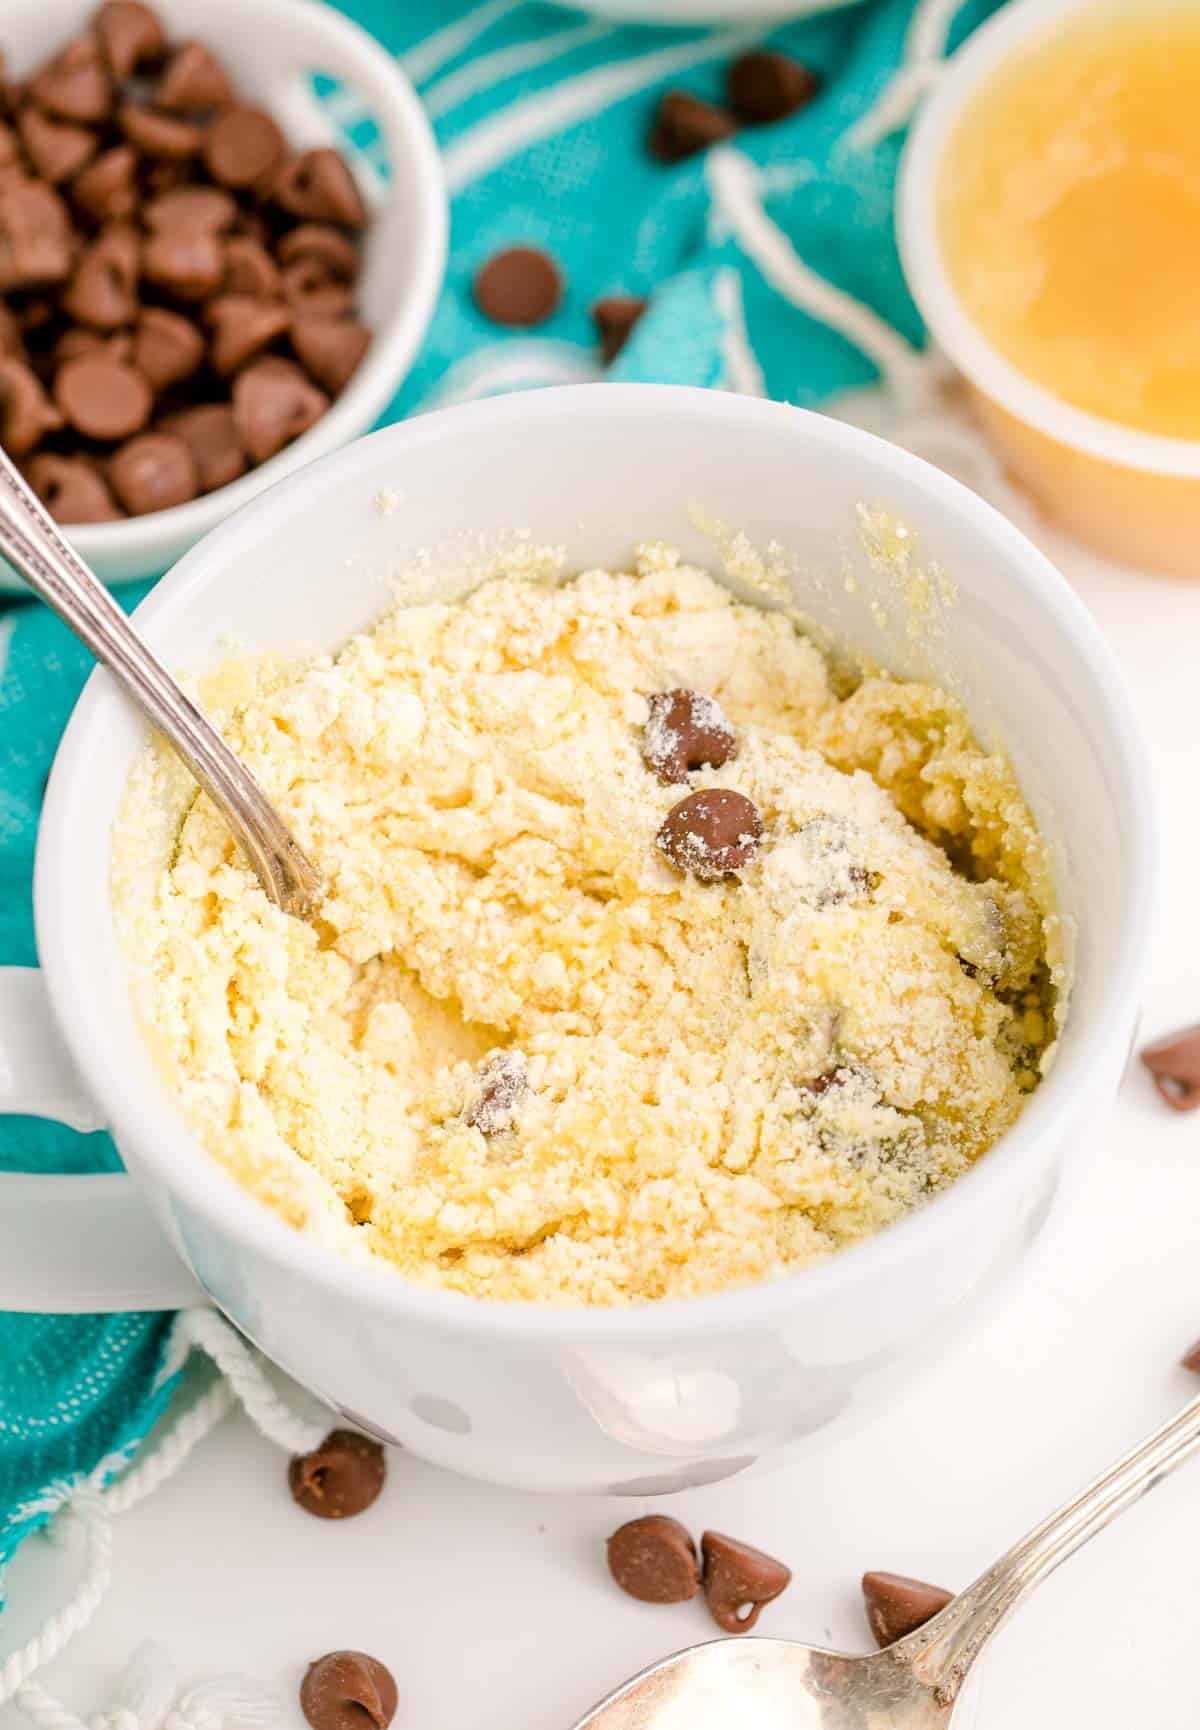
271	47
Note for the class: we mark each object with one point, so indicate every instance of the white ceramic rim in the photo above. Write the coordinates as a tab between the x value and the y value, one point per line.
165	1146
392	348
1016	26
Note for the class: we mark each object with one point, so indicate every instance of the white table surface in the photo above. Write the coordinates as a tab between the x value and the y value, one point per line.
494	1609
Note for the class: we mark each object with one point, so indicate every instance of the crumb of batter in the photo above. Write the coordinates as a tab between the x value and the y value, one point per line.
524	1052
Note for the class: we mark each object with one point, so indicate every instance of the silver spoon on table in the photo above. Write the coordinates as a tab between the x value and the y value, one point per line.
759	1684
31	542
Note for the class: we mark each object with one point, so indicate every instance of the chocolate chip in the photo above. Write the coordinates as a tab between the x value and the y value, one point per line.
10	333
35	236
164	135
153	472
615	317
686	730
684	125
739	1581
817	1085
210	435
1174	1062
242	327
56	148
502	1086
26	412
312	289
340	1478
318	187
187	263
273	403
330	349
654	1560
519	286
1191	1359
244	146
79	340
711	834
765	86
348	1691
194	79
166	347
131	36
107	188
75	85
897	1605
204	209
318	240
250	269
103	398
103	291
71	489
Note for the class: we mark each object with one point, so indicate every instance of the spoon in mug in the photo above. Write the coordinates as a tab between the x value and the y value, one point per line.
910	1685
31	542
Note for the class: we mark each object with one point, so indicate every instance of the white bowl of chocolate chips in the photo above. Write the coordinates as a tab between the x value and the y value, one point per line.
201	290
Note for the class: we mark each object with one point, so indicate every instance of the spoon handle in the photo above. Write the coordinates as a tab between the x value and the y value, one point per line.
943	1651
30	540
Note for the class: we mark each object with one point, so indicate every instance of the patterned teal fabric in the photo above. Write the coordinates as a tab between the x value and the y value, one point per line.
541	114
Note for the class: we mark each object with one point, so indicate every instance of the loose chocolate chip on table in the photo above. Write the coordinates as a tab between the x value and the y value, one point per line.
107	188
348	1691
739	1581
164	135
186	263
330	349
131	35
519	286
204	209
310	286
686	730
26	412
210	435
684	125
166	347
318	240
1174	1062
273	403
71	489
75	85
250	269
654	1560
502	1086
615	317
897	1605
711	834
241	327
194	79
340	1478
243	147
318	187
58	149
103	291
102	397
153	472
35	236
1191	1358
765	86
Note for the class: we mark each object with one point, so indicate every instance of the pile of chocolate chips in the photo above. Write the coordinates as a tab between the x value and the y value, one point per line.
178	283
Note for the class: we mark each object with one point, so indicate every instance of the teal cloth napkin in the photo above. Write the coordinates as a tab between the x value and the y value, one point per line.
541	114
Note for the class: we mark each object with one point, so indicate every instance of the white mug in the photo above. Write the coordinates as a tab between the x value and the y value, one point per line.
634	1400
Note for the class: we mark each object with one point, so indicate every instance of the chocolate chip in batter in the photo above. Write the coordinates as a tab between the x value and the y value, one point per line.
711	834
348	1691
340	1478
502	1086
615	317
654	1560
519	286
1174	1062
686	730
739	1581
765	86
897	1605
684	125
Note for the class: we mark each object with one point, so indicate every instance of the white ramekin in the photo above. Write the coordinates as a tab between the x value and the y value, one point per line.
665	1395
271	48
1134	496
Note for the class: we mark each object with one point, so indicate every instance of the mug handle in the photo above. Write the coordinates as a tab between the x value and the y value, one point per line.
71	1245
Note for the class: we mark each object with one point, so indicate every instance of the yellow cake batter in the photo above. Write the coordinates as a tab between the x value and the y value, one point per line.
524	1052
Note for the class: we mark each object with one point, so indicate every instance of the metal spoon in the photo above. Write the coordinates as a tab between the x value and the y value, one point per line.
31	542
912	1685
